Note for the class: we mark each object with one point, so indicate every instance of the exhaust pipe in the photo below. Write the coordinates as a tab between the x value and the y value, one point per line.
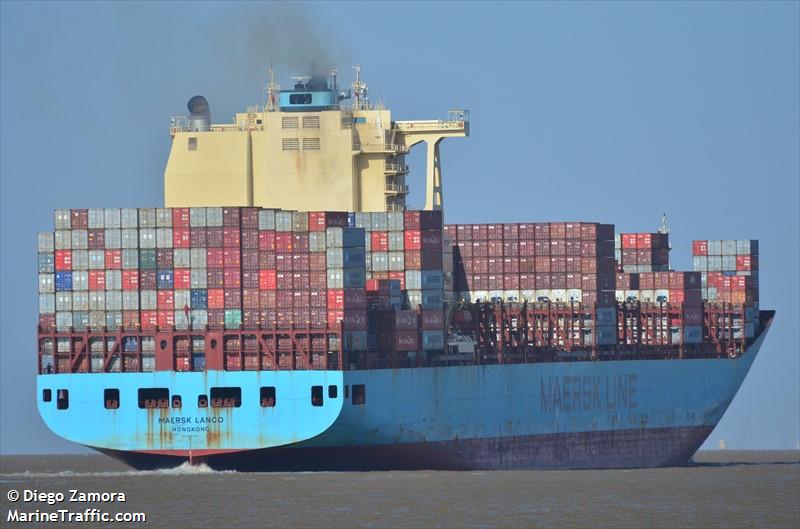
199	114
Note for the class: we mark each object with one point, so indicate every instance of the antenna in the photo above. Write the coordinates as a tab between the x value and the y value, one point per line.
273	89
360	90
664	224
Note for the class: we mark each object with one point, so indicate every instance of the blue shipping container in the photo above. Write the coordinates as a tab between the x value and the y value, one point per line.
199	297
63	280
165	280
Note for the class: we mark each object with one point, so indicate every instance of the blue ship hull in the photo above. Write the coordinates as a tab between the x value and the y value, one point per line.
583	414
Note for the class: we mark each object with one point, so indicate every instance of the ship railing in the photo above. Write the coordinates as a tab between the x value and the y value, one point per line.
430	125
395	168
397	189
393	148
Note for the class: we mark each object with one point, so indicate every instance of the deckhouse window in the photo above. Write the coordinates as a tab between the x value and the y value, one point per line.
300	99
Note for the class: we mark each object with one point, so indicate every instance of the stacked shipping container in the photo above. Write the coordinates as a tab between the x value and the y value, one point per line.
642	252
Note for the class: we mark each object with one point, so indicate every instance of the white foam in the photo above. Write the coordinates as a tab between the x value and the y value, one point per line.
184	469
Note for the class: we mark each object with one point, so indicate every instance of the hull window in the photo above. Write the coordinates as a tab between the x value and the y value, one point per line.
111	398
202	401
268	397
316	396
47	395
153	398
359	394
226	397
333	392
62	400
177	402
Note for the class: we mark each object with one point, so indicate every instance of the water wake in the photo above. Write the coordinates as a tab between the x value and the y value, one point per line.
184	469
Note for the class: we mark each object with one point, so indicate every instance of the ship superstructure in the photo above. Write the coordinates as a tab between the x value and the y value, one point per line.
286	311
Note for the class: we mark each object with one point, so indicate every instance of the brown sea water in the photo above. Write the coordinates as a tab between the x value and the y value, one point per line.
721	489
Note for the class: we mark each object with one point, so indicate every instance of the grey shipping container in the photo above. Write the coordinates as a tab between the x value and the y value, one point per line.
112	218
80	260
163	218
63	301
63	239
113	238
113	300
197	258
46	263
129	218
97	259
80	239
80	280
47	303
45	241
80	300
63	219
266	219
181	258
97	219
130	259
197	217
214	217
147	217
130	300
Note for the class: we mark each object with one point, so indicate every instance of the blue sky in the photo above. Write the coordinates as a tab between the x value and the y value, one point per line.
614	112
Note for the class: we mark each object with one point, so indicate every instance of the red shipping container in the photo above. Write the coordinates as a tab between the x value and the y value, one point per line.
284	242
699	247
266	240
231	216
250	298
379	241
335	298
249	218
165	300
79	219
411	220
746	262
301	299
511	282
250	239
573	248
318	298
166	319
334	318
215	278
231	237
250	259
232	278
573	280
215	237
216	319
647	281
644	241
558	230
181	238
573	264
197	237
542	248
317	261
511	265
494	232
283	280
406	340
589	231
300	242
527	265
266	259
399	276
316	221
430	260
148	319
301	262
301	280
412	240
130	280
180	217
526	248
318	279
113	259
479	249
267	280
430	240
628	241
558	247
97	280
267	299
63	259
372	285
232	298
558	265
558	280
164	258
572	230
182	278
541	231
214	258
511	231
527	281
354	299
130	319
96	239
511	248
232	258
148	279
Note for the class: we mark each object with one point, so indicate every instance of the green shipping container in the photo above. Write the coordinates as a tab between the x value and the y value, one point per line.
233	318
147	259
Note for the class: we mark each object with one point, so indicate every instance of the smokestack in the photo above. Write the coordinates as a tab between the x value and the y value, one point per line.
199	114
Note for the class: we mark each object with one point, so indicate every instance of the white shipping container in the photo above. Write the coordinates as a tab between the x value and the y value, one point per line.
163	218
714	247
129	218
714	263
147	238
97	319
662	296
317	241
363	221
46	283
729	262
197	217
335	257
198	278
63	219
80	300
396	241
700	263
47	303
197	258
113	238
214	217
199	318
130	259
147	217
129	238
113	280
266	219
379	221
45	241
335	278
97	259
395	221
747	247
112	218
631	295
181	321
97	219
97	300
64	301
114	300
80	260
413	280
80	320
414	298
148	300
130	300
728	247
63	239
396	261
163	237
283	221
380	261
80	280
63	321
181	258
80	239
182	299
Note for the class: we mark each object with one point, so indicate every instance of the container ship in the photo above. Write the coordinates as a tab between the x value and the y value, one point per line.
286	311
